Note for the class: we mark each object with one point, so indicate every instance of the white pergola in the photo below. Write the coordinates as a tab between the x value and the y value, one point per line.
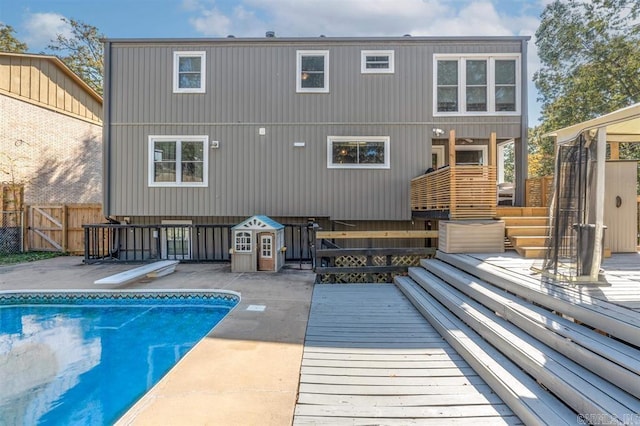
619	126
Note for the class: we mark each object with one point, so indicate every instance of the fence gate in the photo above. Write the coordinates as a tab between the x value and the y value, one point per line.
59	227
44	232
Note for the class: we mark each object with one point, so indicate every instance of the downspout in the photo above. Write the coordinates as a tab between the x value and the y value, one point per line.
106	134
522	168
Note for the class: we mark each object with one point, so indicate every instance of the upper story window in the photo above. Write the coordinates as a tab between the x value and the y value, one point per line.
178	160
476	84
189	72
358	152
377	62
312	71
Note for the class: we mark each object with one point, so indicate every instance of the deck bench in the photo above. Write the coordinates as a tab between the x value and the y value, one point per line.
151	270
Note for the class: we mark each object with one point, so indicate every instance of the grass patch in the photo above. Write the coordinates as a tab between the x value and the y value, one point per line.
31	256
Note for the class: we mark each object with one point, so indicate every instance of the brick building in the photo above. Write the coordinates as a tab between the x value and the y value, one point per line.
50	131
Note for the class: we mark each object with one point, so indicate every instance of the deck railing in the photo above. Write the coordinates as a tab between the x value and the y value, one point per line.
115	242
335	264
460	192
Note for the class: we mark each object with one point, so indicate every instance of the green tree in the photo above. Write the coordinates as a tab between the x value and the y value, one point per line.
8	42
590	65
82	52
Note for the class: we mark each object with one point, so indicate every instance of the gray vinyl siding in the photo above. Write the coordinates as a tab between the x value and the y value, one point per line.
252	84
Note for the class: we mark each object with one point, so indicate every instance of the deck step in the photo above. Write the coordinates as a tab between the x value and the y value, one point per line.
575	385
605	316
502	211
529	240
527	399
534	230
615	361
532	252
525	220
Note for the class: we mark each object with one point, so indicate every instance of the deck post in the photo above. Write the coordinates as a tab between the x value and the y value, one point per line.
452	167
493	149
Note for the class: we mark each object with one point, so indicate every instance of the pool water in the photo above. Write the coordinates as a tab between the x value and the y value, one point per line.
87	361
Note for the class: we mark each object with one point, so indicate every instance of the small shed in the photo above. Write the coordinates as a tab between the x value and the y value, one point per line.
258	245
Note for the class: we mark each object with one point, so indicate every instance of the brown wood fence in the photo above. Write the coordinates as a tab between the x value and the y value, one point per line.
538	191
58	227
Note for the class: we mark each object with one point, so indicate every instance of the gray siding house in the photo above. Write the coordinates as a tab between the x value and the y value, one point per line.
218	130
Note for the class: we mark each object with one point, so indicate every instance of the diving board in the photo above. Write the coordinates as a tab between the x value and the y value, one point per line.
151	270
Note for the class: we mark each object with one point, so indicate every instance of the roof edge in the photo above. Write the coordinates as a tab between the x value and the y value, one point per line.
320	39
60	64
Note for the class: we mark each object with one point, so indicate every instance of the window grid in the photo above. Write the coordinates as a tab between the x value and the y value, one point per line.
243	242
358	152
267	249
377	62
189	72
312	71
178	160
463	87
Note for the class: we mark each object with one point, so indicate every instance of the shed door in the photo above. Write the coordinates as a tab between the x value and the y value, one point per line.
266	256
621	206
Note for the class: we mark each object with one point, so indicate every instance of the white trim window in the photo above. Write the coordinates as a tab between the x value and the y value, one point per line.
476	84
189	72
377	62
358	152
178	160
312	71
242	242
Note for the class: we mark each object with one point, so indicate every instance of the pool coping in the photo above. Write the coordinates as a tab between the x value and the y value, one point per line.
111	293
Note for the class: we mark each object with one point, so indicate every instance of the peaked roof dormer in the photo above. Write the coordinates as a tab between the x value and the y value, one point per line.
259	223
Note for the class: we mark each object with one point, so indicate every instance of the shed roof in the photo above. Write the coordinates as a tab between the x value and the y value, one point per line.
258	223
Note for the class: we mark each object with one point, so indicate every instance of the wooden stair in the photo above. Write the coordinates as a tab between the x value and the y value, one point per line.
526	230
517	335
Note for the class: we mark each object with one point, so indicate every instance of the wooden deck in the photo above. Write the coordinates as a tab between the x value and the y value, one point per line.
371	358
621	285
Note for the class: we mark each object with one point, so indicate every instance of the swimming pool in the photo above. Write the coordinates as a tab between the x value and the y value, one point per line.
85	358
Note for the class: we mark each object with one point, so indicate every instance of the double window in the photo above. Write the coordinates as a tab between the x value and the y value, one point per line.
189	71
476	84
312	67
358	152
178	160
377	62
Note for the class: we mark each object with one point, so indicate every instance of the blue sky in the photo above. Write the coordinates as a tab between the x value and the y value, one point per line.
38	21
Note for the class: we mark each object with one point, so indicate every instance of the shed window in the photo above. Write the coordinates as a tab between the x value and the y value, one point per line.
476	84
189	72
178	160
312	71
353	152
243	242
377	62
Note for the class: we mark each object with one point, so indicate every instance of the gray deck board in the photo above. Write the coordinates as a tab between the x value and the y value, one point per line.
371	358
621	274
340	421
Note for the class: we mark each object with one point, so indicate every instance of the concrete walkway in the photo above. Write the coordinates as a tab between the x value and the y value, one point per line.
247	369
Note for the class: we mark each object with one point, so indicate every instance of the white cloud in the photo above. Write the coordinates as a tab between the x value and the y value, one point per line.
212	21
42	28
